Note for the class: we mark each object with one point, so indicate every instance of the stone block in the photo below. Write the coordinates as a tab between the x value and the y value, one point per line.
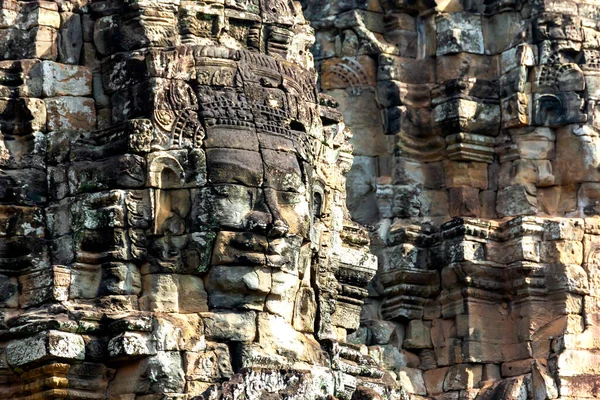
210	365
487	199
393	93
543	383
471	174
516	368
557	200
163	373
520	249
576	156
516	110
404	256
230	287
405	70
588	198
276	335
418	335
538	144
25	116
522	55
413	172
398	201
29	83
122	279
502	31
569	278
411	379
452	251
486	324
21	221
464	202
9	292
76	114
491	372
474	351
131	344
362	113
88	176
44	285
85	281
160	293
192	297
434	380
65	80
459	32
71	38
434	203
462	376
41	42
514	82
561	251
469	116
40	16
518	172
51	345
234	326
361	198
470	65
578	362
178	332
517	200
381	332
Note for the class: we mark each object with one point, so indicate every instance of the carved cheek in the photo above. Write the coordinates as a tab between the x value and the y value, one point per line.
282	171
295	210
231	208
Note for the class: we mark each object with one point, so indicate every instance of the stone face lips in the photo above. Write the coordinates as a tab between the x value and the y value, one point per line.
173	219
480	175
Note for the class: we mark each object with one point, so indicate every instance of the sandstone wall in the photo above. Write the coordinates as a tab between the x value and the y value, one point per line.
476	164
172	207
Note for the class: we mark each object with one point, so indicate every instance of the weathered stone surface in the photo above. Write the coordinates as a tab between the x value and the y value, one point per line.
240	326
196	235
65	80
174	187
71	114
462	376
494	119
46	345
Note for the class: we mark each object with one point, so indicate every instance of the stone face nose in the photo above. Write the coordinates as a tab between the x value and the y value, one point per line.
279	226
266	217
258	221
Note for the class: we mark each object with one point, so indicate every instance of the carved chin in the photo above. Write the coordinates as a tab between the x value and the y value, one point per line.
249	271
252	288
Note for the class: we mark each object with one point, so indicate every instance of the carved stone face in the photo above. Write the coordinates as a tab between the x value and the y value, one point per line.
259	200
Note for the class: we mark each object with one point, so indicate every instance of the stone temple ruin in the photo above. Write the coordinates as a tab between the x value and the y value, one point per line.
315	199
